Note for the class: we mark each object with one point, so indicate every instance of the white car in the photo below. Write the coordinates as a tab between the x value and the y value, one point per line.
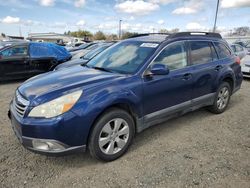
245	66
239	50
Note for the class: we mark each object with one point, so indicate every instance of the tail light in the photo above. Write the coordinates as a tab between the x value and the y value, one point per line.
237	60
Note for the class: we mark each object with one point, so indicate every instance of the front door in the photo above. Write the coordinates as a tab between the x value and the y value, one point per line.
167	94
13	62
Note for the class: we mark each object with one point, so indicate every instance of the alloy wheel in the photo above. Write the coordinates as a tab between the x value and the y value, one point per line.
223	98
113	136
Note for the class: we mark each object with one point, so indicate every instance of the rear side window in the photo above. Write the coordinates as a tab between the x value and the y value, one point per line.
202	52
222	50
174	56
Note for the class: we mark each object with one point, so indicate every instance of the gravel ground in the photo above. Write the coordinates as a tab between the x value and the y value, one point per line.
198	149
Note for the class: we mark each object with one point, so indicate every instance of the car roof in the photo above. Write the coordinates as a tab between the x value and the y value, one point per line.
161	37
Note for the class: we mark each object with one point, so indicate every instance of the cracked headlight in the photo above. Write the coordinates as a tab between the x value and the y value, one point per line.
56	107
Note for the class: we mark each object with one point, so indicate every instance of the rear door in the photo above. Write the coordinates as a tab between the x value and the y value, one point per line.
13	62
41	59
206	68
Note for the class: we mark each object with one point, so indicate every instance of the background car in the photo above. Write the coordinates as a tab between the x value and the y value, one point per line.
81	47
26	59
84	59
245	44
239	50
245	66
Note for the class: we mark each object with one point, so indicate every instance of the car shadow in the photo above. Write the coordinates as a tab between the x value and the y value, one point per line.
19	81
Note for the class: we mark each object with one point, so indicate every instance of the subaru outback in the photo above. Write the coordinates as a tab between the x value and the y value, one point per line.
137	83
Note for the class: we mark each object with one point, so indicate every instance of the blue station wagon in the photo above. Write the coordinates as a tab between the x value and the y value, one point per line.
136	83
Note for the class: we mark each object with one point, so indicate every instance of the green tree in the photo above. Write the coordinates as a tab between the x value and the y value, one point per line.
111	37
127	34
99	35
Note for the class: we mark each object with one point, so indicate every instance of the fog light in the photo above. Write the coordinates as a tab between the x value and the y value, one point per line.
47	145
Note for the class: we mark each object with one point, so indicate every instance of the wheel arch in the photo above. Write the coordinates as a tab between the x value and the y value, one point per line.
126	106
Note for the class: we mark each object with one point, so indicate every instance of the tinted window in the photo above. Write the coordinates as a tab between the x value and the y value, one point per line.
201	52
15	51
222	50
174	56
125	57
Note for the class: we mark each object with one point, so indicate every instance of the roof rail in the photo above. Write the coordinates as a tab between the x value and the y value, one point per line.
147	34
194	33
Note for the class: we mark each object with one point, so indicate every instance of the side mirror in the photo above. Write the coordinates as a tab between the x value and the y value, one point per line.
159	69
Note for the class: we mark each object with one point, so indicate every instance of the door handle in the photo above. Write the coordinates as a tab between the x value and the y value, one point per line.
218	67
187	76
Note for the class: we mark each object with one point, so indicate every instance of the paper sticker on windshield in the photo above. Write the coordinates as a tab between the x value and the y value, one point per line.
149	45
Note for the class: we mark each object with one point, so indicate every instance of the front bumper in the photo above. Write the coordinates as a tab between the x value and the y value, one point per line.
46	137
46	146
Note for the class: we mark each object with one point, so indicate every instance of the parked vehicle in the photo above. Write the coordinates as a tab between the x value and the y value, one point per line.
81	47
84	59
80	53
25	59
134	84
239	50
245	66
245	44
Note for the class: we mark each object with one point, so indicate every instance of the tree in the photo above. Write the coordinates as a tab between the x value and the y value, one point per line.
3	35
175	30
242	31
111	37
80	33
99	35
127	34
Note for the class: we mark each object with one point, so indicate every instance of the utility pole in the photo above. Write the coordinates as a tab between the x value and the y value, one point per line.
120	29
20	31
215	20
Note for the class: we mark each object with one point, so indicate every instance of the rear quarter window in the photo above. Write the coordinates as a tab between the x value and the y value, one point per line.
222	50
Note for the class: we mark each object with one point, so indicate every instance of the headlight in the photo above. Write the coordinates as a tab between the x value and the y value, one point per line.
56	107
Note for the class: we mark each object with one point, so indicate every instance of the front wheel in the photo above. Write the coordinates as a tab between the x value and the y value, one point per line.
222	99
112	134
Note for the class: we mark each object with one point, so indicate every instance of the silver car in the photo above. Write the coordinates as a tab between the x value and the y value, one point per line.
239	50
245	66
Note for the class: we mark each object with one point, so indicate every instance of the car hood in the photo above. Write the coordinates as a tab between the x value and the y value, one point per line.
71	63
63	81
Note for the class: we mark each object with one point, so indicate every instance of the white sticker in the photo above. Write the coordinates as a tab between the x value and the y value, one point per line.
149	45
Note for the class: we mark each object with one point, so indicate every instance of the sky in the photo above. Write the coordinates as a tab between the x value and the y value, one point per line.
39	16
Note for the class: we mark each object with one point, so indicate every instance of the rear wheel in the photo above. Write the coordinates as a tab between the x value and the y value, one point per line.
112	134
222	99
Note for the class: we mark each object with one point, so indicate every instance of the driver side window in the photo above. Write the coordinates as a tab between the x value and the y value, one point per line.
15	51
173	56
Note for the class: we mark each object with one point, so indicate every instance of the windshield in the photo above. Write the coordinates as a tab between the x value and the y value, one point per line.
125	57
96	51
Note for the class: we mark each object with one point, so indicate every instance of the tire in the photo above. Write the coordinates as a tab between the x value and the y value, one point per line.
111	135
222	99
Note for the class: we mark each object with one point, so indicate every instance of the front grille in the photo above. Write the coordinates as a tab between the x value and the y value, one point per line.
20	104
247	65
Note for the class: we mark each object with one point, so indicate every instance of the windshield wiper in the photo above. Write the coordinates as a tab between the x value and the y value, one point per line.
101	68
